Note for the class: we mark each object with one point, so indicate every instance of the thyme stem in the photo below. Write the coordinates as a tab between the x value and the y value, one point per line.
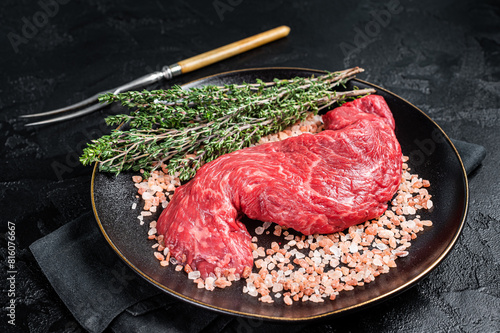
186	128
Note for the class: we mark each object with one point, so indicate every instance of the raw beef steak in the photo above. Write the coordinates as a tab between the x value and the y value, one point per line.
319	183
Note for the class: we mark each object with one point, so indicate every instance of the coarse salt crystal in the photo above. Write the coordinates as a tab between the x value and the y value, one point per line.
384	233
402	253
410	224
353	248
335	251
277	287
156	188
316	260
253	293
143	185
299	255
427	223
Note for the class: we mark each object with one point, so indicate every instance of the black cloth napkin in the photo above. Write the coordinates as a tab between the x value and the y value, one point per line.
102	292
471	154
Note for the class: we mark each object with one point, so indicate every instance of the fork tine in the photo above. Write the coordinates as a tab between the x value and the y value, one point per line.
87	101
85	111
143	80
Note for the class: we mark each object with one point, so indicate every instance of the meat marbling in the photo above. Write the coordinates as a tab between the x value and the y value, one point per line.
319	183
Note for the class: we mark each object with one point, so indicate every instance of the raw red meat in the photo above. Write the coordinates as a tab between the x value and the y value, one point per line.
319	183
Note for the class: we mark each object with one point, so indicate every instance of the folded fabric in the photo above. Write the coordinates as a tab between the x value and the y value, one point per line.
89	277
101	291
471	154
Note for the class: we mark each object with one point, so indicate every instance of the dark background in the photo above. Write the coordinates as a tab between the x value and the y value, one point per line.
442	56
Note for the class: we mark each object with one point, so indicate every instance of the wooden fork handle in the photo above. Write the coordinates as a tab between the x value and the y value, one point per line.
224	52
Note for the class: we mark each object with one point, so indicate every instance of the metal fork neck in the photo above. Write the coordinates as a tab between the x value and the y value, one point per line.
171	71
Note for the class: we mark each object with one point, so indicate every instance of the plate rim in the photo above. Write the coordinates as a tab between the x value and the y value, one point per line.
372	301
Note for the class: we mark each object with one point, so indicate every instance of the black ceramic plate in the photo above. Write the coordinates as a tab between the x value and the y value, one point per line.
432	155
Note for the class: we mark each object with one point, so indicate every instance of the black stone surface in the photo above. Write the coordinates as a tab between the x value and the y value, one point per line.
444	57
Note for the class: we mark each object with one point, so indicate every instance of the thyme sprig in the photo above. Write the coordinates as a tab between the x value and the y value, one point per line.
186	128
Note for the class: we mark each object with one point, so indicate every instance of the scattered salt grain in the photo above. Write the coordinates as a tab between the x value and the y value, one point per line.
353	248
259	230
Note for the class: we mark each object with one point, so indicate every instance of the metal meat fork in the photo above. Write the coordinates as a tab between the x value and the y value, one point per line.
167	72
